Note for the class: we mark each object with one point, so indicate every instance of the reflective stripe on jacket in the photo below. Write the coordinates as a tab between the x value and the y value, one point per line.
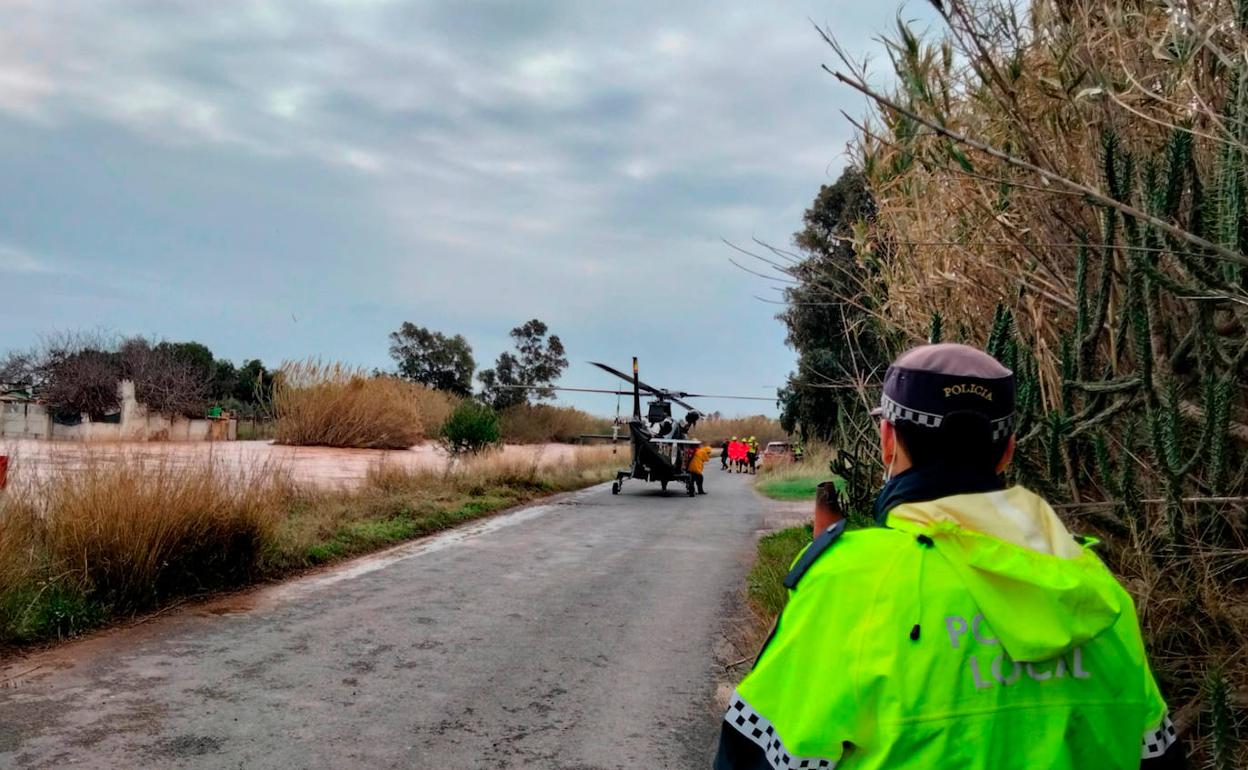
929	645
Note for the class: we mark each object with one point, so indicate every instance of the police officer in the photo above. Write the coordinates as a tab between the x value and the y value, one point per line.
971	630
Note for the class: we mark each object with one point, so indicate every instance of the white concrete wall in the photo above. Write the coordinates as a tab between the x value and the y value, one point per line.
26	420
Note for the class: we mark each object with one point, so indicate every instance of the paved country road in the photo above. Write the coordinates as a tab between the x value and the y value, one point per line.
573	634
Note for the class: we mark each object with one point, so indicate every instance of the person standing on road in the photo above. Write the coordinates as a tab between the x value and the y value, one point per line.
752	453
723	455
743	453
970	630
697	464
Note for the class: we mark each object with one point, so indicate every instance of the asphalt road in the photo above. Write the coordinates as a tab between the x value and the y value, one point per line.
575	634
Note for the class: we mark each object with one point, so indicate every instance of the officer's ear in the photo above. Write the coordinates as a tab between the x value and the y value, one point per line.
888	443
1007	455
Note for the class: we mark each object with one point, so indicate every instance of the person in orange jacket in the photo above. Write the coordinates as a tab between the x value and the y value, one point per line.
697	463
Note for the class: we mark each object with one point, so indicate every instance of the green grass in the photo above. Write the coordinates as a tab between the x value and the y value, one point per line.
794	488
776	552
408	521
47	611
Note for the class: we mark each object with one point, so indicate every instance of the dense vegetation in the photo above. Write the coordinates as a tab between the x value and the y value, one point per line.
1065	185
471	428
79	374
838	343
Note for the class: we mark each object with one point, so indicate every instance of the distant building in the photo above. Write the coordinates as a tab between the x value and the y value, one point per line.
24	416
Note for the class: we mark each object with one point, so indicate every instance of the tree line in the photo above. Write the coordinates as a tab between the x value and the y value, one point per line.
445	362
79	373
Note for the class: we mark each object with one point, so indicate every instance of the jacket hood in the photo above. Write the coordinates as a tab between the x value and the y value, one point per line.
1040	591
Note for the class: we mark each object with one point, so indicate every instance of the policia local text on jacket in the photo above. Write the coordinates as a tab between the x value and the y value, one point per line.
934	644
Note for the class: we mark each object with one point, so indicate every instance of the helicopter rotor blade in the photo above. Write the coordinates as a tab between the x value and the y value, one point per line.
560	387
738	398
618	373
669	395
629	379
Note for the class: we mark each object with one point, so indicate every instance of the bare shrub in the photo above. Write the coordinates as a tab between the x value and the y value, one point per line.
83	382
163	382
319	404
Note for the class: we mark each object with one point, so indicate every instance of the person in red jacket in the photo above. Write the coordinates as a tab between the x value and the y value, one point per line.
736	453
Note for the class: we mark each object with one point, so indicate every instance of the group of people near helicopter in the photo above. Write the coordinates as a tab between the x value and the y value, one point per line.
740	454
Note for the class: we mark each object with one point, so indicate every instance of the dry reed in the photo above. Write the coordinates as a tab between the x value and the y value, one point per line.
320	404
125	535
718	430
542	423
1143	103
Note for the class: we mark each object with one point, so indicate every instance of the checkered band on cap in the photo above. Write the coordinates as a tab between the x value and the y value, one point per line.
1157	742
1001	429
758	729
894	412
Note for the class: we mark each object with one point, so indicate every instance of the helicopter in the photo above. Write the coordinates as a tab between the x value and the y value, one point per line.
659	443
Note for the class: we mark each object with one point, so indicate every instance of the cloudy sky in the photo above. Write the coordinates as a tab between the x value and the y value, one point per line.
285	178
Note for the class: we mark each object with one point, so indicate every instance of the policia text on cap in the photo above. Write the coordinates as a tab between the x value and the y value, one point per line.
969	630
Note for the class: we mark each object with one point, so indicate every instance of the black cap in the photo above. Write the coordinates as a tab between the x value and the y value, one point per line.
929	384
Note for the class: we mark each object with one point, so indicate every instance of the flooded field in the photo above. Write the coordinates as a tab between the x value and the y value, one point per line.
324	467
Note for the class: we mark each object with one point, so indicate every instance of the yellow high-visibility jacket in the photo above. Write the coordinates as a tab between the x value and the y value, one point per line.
973	633
699	459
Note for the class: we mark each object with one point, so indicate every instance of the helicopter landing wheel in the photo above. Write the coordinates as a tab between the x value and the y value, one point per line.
615	487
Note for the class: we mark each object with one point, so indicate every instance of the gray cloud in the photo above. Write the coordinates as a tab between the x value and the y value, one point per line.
214	170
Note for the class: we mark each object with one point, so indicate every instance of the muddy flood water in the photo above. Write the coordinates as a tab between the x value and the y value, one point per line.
324	467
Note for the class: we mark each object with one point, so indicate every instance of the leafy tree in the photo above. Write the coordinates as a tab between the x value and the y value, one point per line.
537	362
501	386
837	341
194	355
224	379
433	359
471	428
253	383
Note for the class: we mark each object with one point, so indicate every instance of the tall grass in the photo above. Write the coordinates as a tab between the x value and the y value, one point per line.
329	404
543	423
765	589
118	537
717	431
